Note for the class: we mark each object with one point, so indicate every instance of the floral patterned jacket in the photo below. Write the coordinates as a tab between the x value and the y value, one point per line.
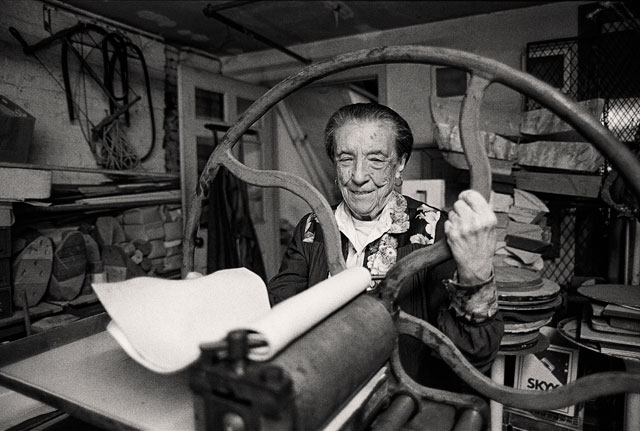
414	225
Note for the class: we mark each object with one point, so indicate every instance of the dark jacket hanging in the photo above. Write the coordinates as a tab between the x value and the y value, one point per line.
232	239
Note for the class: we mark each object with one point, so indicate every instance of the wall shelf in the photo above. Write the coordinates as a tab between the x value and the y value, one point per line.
146	175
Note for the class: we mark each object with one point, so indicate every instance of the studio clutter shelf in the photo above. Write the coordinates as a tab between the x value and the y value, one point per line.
33	184
34	199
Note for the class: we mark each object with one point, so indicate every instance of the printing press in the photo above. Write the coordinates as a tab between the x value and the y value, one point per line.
344	372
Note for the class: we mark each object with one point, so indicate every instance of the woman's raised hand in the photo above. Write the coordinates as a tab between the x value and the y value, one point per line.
471	235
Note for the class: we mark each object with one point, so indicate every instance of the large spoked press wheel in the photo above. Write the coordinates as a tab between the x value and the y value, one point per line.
483	72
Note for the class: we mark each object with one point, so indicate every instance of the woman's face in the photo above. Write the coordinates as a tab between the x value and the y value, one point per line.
366	166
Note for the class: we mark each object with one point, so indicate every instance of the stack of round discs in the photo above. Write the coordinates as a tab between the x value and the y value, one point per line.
527	302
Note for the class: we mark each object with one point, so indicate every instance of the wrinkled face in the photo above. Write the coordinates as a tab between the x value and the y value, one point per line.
366	166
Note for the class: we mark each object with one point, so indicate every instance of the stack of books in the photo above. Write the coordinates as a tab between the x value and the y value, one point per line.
613	323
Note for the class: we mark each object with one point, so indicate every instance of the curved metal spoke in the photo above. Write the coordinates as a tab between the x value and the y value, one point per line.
585	388
437	395
195	208
474	151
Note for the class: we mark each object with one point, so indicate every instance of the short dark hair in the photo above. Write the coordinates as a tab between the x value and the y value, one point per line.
369	112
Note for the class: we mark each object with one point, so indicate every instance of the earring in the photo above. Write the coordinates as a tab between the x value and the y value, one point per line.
399	181
335	181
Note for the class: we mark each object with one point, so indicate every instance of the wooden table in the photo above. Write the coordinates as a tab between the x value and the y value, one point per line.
81	370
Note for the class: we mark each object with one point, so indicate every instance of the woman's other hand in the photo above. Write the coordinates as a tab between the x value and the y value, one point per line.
471	235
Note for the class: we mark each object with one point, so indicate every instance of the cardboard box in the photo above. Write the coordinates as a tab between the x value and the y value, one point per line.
16	131
543	371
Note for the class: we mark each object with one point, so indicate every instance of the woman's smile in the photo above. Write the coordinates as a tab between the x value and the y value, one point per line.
361	192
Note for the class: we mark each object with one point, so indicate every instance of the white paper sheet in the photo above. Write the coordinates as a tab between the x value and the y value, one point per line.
161	323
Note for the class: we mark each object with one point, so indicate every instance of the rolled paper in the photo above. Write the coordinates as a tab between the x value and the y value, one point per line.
293	317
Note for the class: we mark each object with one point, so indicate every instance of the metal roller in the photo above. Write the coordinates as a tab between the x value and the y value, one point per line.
333	360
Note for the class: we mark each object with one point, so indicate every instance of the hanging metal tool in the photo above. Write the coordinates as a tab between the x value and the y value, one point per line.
60	36
118	105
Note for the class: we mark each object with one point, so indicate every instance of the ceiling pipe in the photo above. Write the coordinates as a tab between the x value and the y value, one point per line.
210	11
228	5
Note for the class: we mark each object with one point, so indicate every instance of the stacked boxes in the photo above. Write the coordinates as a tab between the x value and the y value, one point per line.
157	233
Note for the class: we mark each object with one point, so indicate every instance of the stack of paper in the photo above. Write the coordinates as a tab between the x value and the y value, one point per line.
522	231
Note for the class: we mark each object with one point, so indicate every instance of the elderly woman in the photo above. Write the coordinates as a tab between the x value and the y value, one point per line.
370	145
